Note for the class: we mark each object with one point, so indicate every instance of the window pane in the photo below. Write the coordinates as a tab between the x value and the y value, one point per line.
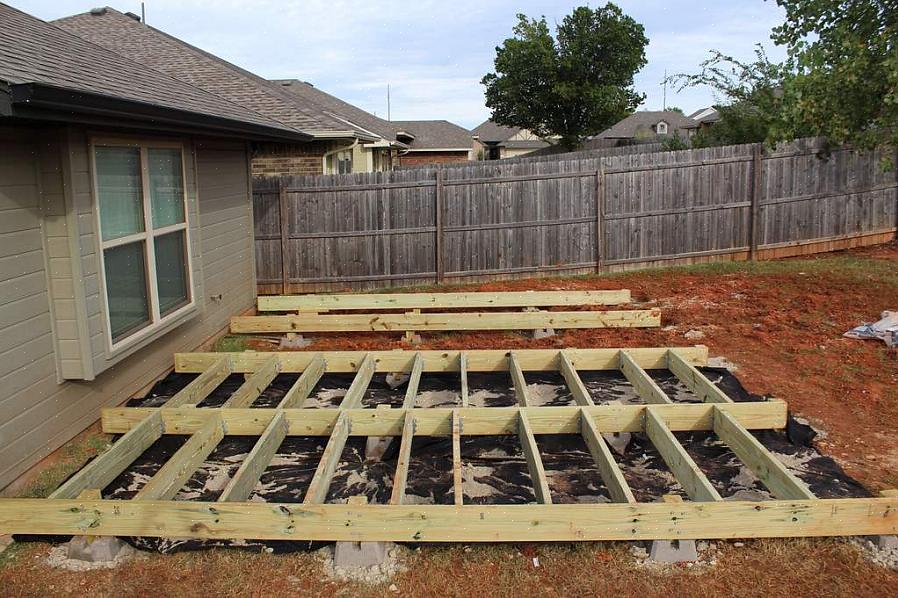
166	186
126	289
171	272
119	191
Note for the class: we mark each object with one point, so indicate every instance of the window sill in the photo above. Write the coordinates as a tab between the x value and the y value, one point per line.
111	357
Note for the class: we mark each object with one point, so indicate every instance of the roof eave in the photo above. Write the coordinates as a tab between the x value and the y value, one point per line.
324	135
47	102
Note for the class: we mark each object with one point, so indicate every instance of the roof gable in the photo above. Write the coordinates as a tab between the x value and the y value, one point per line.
647	120
435	134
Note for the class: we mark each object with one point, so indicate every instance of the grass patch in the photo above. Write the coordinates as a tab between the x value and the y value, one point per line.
70	458
230	343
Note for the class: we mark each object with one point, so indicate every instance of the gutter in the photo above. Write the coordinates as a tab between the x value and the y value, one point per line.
334	151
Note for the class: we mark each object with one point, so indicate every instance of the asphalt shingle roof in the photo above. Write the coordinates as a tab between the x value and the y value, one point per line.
158	50
435	134
490	132
627	128
36	52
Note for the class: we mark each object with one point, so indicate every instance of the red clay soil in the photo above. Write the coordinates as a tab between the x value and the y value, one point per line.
780	322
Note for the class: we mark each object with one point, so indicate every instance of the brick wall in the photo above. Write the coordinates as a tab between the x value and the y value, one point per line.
415	158
273	159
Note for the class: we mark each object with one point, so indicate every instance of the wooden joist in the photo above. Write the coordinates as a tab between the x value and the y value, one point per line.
695	381
534	461
100	472
611	474
304	323
324	473
257	460
478	421
574	383
517	380
411	391
300	390
372	302
457	481
253	386
481	360
211	375
645	386
773	474
405	453
353	397
683	467
182	465
463	374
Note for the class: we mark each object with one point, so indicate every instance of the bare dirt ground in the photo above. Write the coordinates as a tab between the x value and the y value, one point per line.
780	322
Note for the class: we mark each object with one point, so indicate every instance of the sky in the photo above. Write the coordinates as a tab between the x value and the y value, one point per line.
432	53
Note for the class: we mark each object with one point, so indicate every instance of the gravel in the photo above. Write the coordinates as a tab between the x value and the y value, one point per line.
884	557
708	553
58	559
378	574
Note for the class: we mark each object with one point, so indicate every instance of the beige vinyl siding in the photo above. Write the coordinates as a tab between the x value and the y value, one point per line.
37	412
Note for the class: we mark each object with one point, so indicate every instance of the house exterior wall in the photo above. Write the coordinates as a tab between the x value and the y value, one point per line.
292	159
46	297
414	158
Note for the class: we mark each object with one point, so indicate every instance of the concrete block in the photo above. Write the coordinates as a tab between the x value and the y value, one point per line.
94	549
618	441
673	551
543	333
885	542
5	542
294	341
376	446
396	379
348	555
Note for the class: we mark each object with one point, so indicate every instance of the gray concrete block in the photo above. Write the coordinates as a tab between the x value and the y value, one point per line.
5	542
543	333
376	446
94	549
296	341
618	441
673	551
885	542
396	379
348	555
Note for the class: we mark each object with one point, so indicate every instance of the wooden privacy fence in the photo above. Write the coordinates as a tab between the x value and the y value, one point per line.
591	214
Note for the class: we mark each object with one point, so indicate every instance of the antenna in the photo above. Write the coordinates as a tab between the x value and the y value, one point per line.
388	103
664	93
143	13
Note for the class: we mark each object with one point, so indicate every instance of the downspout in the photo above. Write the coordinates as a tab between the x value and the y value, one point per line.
334	151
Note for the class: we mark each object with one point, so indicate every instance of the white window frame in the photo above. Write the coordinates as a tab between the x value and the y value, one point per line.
148	236
662	124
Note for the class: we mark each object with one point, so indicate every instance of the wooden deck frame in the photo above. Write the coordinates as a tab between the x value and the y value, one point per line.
445	321
76	509
378	301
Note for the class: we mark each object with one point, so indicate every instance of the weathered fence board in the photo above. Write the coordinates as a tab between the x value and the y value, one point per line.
580	212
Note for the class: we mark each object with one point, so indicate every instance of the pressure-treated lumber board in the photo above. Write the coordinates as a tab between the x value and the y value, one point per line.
210	376
695	381
405	453
450	523
300	390
683	467
645	387
463	374
100	472
457	488
317	303
490	360
353	397
534	461
573	381
178	469
257	461
773	474
633	318
324	473
414	378
517	380
478	421
611	474
253	386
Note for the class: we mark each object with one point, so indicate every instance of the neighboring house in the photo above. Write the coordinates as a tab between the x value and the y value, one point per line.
497	142
125	228
650	126
706	117
433	142
332	139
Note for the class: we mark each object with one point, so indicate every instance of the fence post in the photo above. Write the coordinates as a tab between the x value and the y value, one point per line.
285	237
438	201
754	216
600	217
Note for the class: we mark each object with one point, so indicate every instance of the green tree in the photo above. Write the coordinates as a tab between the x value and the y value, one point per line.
845	57
576	84
750	94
